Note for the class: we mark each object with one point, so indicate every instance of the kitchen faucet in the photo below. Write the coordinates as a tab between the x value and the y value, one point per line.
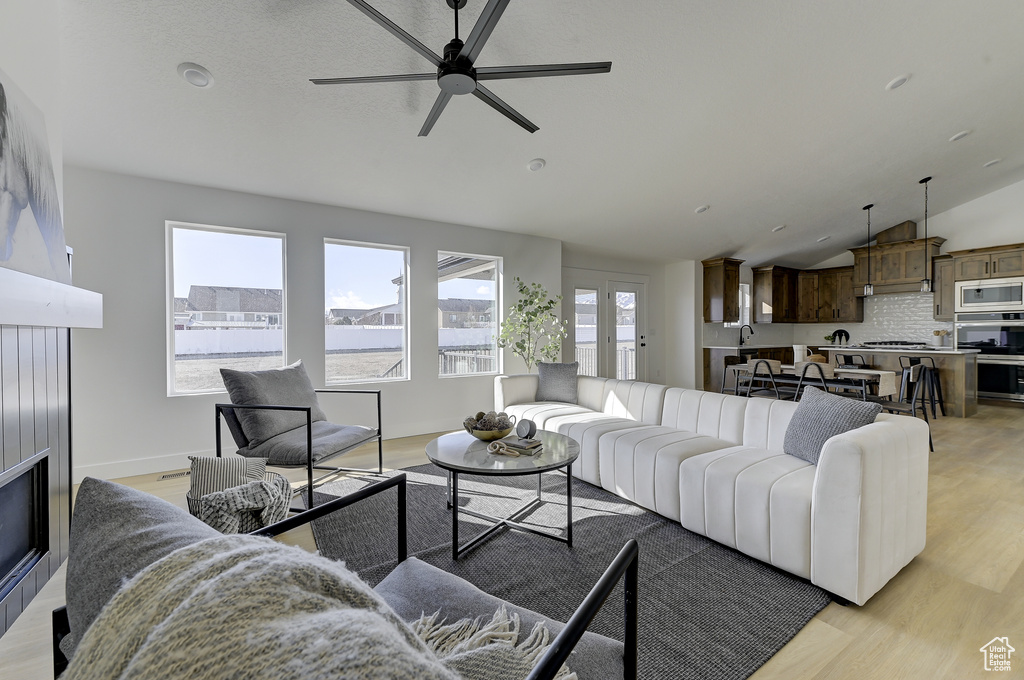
741	332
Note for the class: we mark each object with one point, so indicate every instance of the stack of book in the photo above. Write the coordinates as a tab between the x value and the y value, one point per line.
525	447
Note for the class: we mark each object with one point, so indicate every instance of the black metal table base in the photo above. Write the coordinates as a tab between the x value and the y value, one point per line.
505	522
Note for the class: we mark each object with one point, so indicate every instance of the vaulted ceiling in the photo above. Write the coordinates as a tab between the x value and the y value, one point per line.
772	113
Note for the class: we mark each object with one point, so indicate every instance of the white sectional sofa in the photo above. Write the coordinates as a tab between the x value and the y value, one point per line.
716	464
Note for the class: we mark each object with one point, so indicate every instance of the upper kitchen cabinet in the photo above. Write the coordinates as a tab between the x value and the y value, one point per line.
721	290
837	296
943	293
775	295
988	263
807	297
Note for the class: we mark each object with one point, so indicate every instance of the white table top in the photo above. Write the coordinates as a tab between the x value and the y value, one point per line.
462	452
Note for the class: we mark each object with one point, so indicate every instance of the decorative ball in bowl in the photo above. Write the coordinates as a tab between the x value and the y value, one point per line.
489	426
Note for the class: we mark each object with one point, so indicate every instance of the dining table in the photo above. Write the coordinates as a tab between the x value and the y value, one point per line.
883	383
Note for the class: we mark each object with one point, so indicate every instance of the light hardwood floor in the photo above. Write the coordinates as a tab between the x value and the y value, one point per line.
965	589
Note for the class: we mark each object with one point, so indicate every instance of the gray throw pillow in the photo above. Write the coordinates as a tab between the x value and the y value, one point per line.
557	382
116	532
288	386
821	415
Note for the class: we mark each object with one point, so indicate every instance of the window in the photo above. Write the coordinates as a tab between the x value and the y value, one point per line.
744	308
225	299
467	306
365	310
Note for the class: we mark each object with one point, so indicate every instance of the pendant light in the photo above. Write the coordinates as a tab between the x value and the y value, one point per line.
926	282
869	289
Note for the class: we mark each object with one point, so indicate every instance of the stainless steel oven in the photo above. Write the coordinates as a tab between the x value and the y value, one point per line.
993	295
999	337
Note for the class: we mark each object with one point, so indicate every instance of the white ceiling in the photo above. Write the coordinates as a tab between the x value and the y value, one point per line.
772	112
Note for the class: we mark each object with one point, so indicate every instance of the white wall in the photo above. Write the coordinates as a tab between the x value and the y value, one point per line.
124	423
684	310
994	219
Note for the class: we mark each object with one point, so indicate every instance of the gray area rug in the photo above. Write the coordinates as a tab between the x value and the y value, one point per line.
706	611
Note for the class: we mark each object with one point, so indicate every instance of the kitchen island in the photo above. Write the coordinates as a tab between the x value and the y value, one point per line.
958	371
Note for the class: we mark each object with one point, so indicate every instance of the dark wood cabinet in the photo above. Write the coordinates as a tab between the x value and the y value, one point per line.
807	297
988	263
943	292
721	290
775	295
827	295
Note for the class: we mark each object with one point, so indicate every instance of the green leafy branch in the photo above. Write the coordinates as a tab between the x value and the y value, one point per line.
532	330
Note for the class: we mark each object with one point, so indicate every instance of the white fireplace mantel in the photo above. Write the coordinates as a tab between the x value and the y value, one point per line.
27	300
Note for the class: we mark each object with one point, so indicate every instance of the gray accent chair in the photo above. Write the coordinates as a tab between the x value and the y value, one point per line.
275	415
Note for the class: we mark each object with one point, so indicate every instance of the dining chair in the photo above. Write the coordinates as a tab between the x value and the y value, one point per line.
813	373
728	361
911	397
763	375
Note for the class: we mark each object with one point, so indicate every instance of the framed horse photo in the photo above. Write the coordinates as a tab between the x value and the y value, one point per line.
31	231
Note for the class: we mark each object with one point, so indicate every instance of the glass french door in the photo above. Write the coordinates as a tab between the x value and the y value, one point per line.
585	329
627	336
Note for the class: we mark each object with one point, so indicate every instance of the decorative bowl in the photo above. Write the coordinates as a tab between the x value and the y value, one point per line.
490	435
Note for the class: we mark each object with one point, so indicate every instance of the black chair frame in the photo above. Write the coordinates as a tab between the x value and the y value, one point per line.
916	399
625	564
932	388
310	465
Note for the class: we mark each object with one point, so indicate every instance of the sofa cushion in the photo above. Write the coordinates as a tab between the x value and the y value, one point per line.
289	448
116	532
415	588
288	386
557	381
641	464
819	417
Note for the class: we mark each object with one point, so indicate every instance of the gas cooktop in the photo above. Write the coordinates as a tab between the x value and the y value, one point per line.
895	344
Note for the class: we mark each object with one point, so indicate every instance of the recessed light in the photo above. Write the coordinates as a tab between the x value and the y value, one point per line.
536	164
898	81
823	239
702	209
194	74
994	161
960	135
779	228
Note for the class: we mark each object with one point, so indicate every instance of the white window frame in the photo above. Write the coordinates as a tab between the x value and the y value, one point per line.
499	354
406	310
169	227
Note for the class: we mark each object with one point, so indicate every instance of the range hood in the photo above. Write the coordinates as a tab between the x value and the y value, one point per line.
899	260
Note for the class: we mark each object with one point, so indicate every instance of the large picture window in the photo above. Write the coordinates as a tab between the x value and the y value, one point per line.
468	314
366	312
225	304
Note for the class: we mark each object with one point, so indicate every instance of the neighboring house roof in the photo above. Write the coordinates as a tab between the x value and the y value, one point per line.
233	299
342	312
465	305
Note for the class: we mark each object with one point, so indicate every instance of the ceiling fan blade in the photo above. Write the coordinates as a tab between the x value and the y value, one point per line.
435	112
482	31
374	79
504	109
396	31
543	70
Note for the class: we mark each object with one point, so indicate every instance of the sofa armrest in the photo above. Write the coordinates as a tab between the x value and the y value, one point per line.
869	506
515	389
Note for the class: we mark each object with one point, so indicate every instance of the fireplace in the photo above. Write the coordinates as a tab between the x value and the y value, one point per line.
23	531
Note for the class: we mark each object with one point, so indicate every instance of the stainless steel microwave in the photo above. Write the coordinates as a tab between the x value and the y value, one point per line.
990	295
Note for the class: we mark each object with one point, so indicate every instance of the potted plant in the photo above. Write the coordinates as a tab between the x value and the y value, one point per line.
532	330
830	339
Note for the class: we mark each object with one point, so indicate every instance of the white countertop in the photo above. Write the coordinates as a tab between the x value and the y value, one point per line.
749	345
898	350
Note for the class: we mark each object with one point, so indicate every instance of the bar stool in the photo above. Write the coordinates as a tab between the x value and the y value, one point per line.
915	375
933	388
851	361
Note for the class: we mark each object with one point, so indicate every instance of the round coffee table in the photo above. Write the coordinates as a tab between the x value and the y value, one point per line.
462	453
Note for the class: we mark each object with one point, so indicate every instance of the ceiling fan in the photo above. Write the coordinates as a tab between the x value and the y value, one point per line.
456	73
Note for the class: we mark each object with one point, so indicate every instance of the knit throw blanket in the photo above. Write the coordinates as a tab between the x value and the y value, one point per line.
247	607
235	510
